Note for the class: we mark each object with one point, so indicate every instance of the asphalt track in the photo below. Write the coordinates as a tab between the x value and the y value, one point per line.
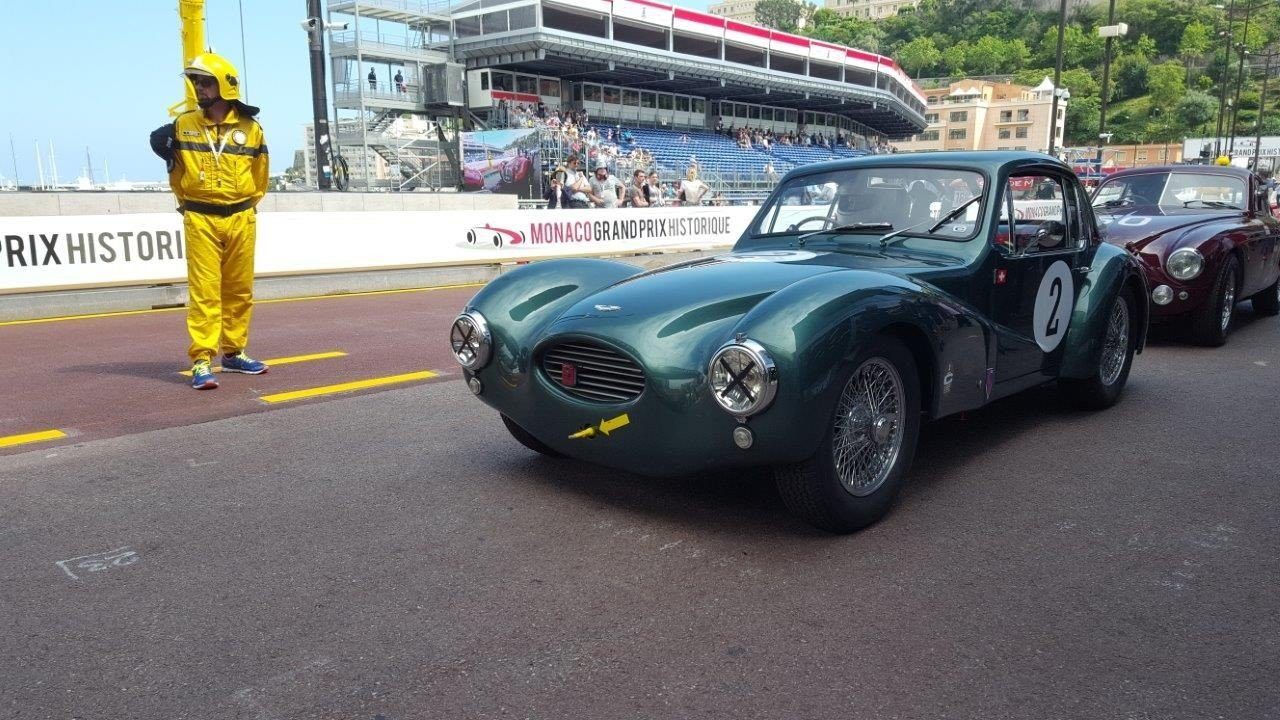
391	553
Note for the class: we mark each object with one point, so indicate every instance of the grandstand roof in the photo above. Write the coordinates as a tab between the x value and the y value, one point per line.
607	41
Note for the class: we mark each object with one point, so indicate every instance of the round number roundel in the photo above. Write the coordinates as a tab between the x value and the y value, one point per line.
1054	302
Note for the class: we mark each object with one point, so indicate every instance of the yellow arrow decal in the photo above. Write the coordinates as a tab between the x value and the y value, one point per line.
608	426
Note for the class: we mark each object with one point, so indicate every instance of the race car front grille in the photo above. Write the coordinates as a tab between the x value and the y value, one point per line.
593	372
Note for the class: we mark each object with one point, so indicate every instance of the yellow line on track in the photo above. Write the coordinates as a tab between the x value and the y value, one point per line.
11	440
347	387
289	360
125	313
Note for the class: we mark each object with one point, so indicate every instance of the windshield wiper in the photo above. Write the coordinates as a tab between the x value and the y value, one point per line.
851	227
1114	203
1210	203
884	241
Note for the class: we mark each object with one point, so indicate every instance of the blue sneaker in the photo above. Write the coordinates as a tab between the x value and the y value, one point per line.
202	376
241	363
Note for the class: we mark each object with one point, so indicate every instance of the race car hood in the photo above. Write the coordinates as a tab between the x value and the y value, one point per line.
677	315
1137	228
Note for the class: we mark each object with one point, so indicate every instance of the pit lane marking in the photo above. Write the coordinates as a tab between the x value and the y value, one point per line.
31	437
348	387
151	311
288	360
97	562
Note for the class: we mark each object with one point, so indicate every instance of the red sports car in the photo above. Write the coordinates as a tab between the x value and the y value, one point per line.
1207	239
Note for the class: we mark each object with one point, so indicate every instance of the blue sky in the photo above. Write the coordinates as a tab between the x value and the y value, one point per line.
101	74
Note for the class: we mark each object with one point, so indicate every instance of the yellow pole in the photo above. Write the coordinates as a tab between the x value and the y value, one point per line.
191	13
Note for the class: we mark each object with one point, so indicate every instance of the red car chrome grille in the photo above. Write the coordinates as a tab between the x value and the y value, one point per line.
593	372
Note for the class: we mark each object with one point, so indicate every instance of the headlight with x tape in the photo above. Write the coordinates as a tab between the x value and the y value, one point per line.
743	378
470	340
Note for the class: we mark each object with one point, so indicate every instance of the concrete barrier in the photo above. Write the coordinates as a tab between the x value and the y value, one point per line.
35	306
36	204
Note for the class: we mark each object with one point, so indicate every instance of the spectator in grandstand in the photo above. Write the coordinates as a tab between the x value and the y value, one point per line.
653	191
635	195
542	110
719	124
669	196
692	190
684	138
373	79
555	194
770	173
576	184
399	82
606	190
627	137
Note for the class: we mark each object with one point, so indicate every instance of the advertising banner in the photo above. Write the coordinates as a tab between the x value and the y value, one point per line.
46	253
503	161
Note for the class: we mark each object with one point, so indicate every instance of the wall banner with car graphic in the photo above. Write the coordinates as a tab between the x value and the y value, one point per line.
85	251
502	161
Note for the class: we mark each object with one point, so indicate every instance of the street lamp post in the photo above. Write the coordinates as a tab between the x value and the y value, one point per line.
1057	78
1262	106
1222	86
1110	31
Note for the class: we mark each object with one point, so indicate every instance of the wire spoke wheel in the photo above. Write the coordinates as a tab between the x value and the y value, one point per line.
1115	345
1228	302
867	436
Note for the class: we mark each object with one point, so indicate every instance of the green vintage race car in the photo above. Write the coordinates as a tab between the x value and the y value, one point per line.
865	296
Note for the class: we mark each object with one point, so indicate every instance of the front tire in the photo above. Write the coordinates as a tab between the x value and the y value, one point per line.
1119	342
524	438
1212	324
859	469
1267	302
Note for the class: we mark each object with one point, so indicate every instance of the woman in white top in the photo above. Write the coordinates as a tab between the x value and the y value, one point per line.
692	189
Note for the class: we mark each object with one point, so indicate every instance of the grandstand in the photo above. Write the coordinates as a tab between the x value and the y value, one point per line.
661	71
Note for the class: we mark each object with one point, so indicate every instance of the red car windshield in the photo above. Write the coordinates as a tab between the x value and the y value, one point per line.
1171	192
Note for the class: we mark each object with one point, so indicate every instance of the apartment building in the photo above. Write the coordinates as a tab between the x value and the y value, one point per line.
739	10
868	9
984	115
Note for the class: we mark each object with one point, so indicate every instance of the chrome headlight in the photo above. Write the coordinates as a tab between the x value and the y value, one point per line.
1185	264
470	340
743	378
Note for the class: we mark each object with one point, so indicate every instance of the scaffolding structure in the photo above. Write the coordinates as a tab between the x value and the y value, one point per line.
381	68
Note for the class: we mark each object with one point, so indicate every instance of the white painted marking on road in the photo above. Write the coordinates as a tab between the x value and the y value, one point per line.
1260	363
669	545
97	562
191	462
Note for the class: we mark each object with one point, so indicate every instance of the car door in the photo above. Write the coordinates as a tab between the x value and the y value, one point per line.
1268	246
1039	245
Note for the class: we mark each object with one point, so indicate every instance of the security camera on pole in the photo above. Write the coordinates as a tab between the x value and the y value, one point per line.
315	27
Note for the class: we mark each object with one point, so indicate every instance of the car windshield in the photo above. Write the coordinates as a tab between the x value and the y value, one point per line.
1171	192
876	201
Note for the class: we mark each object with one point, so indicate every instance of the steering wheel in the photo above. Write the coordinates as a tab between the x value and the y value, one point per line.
820	218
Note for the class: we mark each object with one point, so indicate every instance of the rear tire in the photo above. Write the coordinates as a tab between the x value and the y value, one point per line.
1267	302
1213	322
524	438
876	444
1103	388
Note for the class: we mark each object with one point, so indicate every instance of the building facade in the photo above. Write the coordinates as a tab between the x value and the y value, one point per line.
984	115
868	9
740	10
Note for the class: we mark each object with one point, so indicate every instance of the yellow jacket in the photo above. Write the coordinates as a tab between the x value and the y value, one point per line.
219	163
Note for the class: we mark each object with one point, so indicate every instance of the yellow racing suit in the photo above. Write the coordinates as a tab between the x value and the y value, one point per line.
219	176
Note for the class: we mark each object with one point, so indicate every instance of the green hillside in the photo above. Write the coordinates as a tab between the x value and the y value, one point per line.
1166	75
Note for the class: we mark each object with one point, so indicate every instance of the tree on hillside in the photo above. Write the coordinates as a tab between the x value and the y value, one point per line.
1164	81
853	32
1079	48
1195	109
1130	73
917	55
953	59
1194	44
1081	126
784	15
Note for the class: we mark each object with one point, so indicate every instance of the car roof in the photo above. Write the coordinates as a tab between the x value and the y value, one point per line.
1191	169
989	161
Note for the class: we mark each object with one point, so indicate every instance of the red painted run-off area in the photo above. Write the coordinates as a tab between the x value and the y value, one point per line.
99	377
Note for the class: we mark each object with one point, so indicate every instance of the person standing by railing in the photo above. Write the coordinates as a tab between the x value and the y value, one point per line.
692	189
635	195
653	191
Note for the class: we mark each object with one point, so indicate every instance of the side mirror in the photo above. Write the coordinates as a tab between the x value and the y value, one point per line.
1050	234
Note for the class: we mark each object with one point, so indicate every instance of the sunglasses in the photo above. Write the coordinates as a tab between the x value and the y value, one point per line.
202	80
